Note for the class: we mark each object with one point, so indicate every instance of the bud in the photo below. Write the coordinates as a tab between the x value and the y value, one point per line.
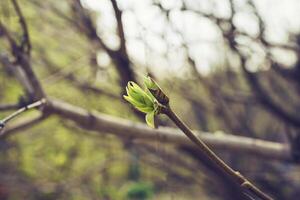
156	91
142	101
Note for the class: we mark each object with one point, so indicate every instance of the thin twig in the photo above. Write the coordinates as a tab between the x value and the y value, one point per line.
205	151
36	104
22	126
118	16
26	39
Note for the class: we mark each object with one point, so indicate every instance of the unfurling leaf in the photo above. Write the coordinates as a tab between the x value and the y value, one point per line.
144	100
150	119
139	98
156	91
150	84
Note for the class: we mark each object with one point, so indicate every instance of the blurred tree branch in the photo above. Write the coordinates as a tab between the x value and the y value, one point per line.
25	43
22	126
20	111
262	95
124	128
119	56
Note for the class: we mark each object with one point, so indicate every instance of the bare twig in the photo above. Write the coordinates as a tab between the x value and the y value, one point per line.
25	124
215	161
261	93
119	56
118	16
36	104
24	61
25	44
266	100
18	73
207	157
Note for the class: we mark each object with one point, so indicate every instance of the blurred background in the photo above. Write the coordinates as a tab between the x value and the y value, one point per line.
230	67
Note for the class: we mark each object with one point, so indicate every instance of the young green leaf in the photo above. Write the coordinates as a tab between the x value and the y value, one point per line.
150	84
142	100
156	91
150	119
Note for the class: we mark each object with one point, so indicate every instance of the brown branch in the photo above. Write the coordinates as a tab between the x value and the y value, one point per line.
23	60
85	24
229	175
25	44
18	73
119	57
123	128
118	16
262	95
266	100
289	74
261	24
25	64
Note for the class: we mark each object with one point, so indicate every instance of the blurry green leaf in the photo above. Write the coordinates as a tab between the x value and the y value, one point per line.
150	84
139	98
155	91
150	119
142	100
140	191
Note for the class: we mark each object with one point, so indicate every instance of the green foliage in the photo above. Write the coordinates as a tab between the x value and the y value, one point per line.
140	191
143	101
150	84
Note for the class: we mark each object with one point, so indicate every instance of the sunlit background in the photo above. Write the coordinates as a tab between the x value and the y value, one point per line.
155	39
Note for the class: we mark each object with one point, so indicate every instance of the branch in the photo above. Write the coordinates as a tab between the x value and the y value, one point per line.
25	44
5	107
157	102
262	95
119	57
267	101
215	162
22	126
106	124
118	15
4	121
27	74
25	64
18	73
85	24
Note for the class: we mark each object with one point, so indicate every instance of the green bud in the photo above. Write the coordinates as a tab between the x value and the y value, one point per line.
149	101
156	91
150	119
138	105
139	98
150	84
